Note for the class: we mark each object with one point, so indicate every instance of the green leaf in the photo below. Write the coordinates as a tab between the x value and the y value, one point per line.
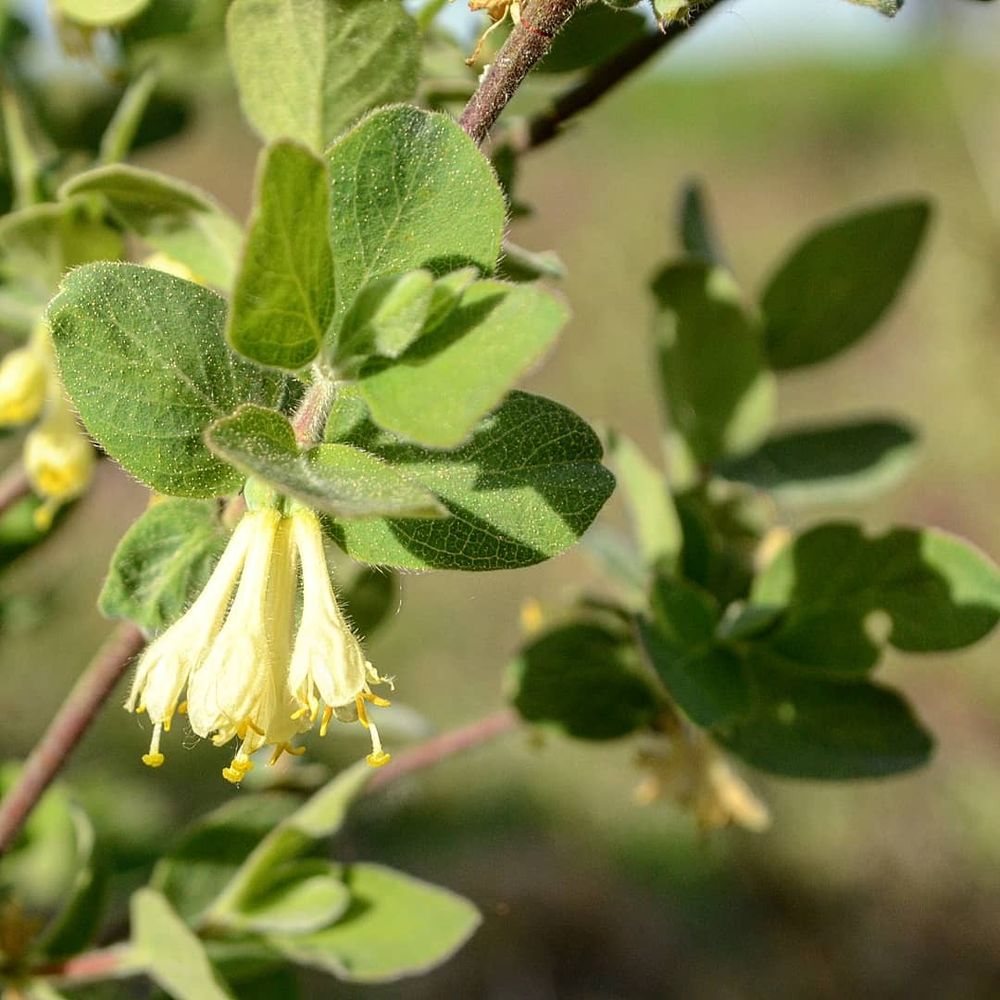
121	131
39	244
698	236
453	376
100	13
297	898
523	489
319	818
334	478
585	680
144	359
809	726
654	516
836	285
82	910
396	926
199	867
169	215
387	316
306	69
707	682
283	298
593	34
169	952
826	463
938	593
370	597
719	396
163	562
410	190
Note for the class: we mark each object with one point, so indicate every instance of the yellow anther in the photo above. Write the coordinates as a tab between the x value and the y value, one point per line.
152	759
285	748
167	722
377	700
296	715
325	724
378	758
247	725
362	711
237	770
182	708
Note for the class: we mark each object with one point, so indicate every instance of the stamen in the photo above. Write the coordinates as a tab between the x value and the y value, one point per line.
362	711
285	748
183	707
378	757
238	769
154	758
325	724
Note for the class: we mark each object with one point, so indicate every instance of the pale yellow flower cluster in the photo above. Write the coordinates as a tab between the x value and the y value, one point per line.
58	457
250	674
689	768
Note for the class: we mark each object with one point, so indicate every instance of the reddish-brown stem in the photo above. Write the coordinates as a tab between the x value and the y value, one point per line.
425	754
528	42
14	486
66	729
103	963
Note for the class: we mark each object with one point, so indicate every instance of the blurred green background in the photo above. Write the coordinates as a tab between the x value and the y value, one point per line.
887	889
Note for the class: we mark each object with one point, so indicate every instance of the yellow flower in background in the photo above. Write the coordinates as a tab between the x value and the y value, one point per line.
250	675
58	457
160	261
24	381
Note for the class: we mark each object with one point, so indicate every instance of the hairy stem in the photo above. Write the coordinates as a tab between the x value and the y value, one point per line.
546	124
67	728
310	417
527	44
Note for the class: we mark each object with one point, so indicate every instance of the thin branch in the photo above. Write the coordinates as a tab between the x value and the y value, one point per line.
66	729
546	125
447	744
14	486
527	44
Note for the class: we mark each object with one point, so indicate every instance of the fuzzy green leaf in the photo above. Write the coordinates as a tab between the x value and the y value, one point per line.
306	69
410	190
396	926
707	681
825	463
169	215
296	898
654	517
169	952
937	592
585	680
836	285
100	13
38	245
437	391
143	356
719	395
334	478
201	864
283	298
524	488
387	316
806	725
319	818
163	562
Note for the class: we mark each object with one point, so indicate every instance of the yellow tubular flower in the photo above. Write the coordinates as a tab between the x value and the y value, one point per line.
160	261
24	380
328	665
58	460
169	661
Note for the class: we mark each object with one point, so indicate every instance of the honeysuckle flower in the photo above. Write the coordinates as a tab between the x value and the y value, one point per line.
250	676
24	380
58	460
328	666
160	261
689	768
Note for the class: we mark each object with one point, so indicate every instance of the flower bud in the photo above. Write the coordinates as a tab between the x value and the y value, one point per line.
59	462
24	379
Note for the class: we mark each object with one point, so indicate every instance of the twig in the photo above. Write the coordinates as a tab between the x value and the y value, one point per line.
546	125
66	729
14	486
440	747
528	42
